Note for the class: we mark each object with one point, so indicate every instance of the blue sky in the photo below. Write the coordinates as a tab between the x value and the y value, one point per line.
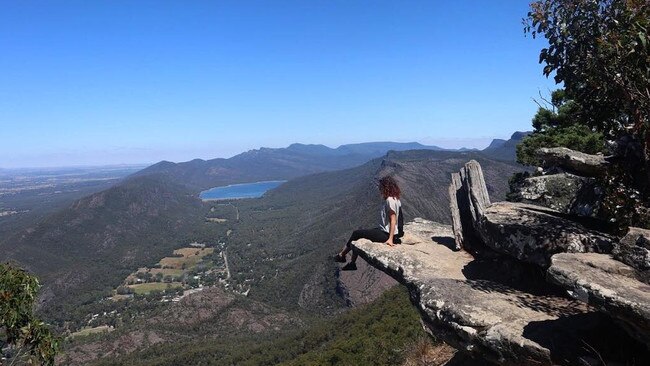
105	82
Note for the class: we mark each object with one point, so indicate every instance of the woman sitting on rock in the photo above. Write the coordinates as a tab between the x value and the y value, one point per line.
386	232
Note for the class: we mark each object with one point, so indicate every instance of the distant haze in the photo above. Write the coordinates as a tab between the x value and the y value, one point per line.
96	157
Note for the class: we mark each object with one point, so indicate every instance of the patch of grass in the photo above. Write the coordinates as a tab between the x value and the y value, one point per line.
190	258
145	288
88	331
167	271
191	252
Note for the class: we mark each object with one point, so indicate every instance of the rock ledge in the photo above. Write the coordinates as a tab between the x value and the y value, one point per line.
473	305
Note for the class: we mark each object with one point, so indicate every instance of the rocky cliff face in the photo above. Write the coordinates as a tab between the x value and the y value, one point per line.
533	285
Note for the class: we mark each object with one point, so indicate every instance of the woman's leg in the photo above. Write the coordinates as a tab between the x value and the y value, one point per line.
375	235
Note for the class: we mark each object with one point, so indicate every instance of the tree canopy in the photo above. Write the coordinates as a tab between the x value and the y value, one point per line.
24	339
558	124
600	51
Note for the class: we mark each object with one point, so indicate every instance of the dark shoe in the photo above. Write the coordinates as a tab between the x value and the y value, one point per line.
350	267
338	258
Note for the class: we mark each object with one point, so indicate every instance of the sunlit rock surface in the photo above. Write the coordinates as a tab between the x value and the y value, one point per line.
572	161
564	192
526	232
533	234
478	306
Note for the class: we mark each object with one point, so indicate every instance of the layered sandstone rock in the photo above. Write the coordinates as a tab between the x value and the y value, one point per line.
609	285
528	233
533	234
479	307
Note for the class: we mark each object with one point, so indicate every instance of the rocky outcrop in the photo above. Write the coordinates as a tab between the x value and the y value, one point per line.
609	285
503	299
572	161
471	176
546	237
634	249
528	233
479	307
564	192
533	234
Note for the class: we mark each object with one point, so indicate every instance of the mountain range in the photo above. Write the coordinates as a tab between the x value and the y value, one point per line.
280	245
297	160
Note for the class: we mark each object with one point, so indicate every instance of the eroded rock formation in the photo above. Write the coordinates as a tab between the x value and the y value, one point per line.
533	234
508	298
526	232
609	285
479	307
563	192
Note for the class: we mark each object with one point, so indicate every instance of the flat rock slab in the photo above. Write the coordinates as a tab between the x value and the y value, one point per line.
534	234
467	303
608	284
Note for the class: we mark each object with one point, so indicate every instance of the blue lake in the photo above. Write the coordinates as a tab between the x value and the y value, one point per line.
245	190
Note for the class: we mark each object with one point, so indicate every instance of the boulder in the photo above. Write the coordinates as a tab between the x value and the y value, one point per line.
476	306
564	192
471	176
468	197
634	250
534	234
607	284
572	161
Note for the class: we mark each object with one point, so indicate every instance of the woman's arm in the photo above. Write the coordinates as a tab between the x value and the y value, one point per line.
391	232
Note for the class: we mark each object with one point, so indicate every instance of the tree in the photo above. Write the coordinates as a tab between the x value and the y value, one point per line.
557	124
600	51
25	338
124	290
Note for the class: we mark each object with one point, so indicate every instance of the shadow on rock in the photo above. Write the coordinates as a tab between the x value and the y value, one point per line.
578	340
447	241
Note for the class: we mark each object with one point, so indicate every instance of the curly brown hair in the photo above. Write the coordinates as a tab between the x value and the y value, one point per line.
389	188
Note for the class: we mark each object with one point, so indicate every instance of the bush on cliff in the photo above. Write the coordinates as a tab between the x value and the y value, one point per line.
24	339
600	52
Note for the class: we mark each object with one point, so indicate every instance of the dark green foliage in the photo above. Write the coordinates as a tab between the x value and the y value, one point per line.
26	337
575	137
558	125
600	50
563	113
378	334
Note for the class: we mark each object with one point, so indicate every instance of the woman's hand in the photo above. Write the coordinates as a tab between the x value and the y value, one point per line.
390	243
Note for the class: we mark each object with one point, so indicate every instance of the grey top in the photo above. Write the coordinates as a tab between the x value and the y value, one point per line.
390	204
